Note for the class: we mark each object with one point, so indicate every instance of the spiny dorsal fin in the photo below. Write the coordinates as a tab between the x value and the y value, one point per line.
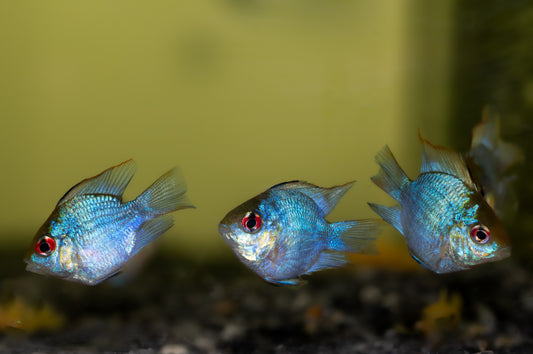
325	198
440	159
287	185
112	181
487	132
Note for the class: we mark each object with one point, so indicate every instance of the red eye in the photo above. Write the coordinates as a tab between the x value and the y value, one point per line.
45	246
480	233
251	222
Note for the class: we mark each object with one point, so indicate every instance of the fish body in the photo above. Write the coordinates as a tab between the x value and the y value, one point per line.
442	215
281	234
493	163
92	232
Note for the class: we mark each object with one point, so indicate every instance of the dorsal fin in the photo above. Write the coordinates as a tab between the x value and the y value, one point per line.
487	134
325	198
286	185
440	159
112	181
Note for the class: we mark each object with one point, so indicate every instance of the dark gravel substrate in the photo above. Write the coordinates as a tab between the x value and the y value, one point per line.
175	307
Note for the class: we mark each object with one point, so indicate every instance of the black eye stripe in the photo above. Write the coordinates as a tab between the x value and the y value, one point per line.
251	221
480	233
44	247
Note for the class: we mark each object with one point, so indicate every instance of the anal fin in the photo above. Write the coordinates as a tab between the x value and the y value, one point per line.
392	215
328	259
150	230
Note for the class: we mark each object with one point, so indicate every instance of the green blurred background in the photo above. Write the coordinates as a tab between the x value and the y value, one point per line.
240	94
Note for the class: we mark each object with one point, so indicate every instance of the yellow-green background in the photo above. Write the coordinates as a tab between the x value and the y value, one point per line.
241	94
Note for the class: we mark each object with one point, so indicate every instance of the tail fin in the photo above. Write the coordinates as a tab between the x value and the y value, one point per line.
165	195
391	178
347	236
355	236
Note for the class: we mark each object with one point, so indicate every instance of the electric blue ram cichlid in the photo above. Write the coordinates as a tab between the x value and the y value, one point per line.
92	233
281	234
444	218
493	163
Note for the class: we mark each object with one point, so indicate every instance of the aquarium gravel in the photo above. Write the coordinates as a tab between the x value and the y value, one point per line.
176	307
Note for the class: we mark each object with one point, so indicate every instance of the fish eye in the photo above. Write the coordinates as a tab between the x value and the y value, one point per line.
251	222
45	246
480	233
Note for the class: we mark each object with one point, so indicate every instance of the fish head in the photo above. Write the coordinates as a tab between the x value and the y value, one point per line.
51	254
479	238
250	230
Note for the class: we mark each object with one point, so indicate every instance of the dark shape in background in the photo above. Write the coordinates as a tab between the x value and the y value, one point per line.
493	64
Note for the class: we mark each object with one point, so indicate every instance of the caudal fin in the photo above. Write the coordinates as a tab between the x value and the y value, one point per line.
355	236
165	195
348	236
391	178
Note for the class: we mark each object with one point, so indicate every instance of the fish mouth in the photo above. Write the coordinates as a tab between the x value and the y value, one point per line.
504	252
224	230
34	268
38	269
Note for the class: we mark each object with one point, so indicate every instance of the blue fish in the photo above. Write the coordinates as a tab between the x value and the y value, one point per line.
282	234
92	233
493	163
444	218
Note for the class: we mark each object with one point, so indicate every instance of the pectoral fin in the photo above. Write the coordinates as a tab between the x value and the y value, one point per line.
286	282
